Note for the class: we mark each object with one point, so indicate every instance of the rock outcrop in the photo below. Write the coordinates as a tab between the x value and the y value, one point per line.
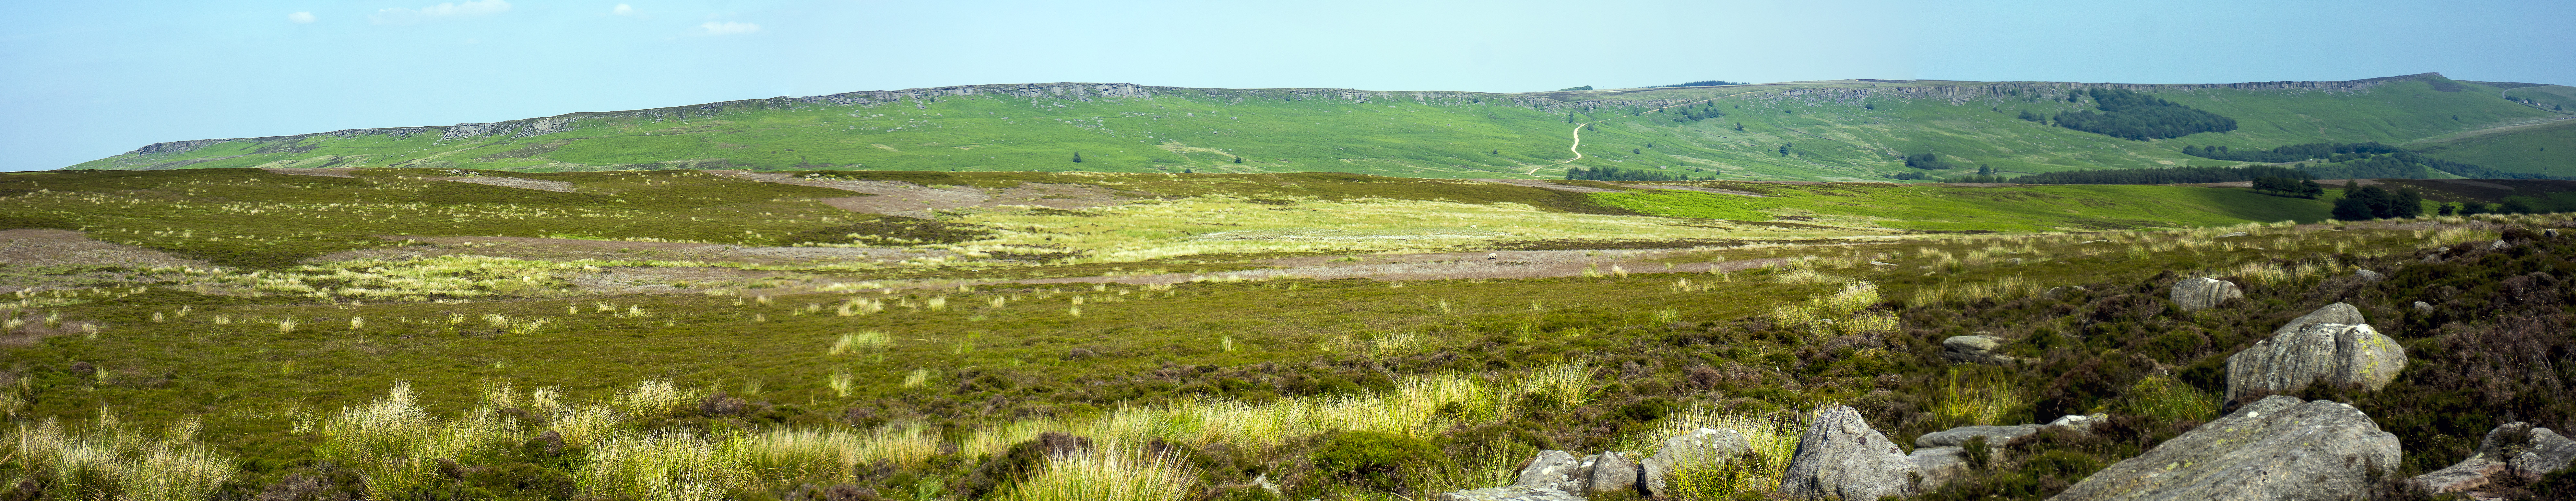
1555	470
2278	448
1610	472
2203	293
2335	354
2512	449
1937	466
1975	350
1840	456
2338	313
1702	446
1512	493
2369	276
1996	435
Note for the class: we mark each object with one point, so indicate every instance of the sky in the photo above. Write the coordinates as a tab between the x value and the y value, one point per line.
85	80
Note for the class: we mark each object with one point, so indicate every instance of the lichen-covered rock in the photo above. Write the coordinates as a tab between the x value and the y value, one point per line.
2423	307
2335	354
1840	456
2512	449
1975	350
2278	448
1556	470
2338	313
1611	472
2203	293
1511	493
1960	435
1938	466
1702	446
2079	423
2369	276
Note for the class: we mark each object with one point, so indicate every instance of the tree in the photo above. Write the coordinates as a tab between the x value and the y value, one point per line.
2351	209
2447	209
1784	149
1739	126
1985	170
2517	205
1077	157
1238	159
2407	204
1637	151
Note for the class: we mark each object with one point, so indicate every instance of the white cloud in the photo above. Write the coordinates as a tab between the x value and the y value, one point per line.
729	28
623	10
399	15
301	17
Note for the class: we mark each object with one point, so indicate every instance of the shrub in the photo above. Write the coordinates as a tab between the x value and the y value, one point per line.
1373	458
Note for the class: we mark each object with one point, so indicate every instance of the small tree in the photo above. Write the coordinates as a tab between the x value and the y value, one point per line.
1077	157
1238	159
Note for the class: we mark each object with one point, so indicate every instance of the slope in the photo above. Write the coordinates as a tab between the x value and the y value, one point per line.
1826	130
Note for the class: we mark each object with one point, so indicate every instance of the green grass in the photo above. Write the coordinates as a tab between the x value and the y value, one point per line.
2538	149
1836	135
2016	209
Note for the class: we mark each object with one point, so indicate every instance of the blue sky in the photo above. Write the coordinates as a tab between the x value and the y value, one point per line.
85	80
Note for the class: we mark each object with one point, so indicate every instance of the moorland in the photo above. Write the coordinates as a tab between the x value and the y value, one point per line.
827	334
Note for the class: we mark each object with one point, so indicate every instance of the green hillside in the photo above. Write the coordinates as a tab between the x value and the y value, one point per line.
1824	130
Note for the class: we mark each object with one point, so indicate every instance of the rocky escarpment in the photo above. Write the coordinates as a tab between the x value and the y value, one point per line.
2279	448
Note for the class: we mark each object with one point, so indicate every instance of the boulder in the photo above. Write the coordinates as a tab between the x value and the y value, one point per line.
2336	354
1702	446
2338	313
1995	435
2423	307
2278	448
1975	350
2498	245
1511	493
2369	276
1938	466
1556	470
2202	293
2079	423
1840	456
2549	233
2515	448
1612	472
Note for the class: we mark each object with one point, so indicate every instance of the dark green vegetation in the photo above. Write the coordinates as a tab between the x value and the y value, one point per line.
1619	174
2169	175
2129	115
1850	130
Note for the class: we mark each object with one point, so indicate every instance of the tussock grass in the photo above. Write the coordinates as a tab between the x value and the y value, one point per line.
1979	397
115	464
1759	472
1110	471
1399	343
866	340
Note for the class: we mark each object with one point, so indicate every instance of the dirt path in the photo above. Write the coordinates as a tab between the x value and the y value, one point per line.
1446	266
1577	148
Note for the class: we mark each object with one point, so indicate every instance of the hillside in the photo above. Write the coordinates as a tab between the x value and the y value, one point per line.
1825	130
722	335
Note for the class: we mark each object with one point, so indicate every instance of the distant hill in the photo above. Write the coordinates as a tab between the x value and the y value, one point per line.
1838	130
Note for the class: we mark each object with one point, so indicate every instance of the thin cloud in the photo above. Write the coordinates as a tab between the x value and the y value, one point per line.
623	10
471	8
300	17
730	28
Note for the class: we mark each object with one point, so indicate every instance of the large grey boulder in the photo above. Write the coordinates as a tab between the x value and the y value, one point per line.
2202	293
1938	466
2335	354
1840	456
1556	470
2514	449
1705	446
1610	472
2278	448
2338	313
1975	350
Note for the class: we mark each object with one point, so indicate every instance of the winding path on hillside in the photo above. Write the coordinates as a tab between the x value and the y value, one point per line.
1577	148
